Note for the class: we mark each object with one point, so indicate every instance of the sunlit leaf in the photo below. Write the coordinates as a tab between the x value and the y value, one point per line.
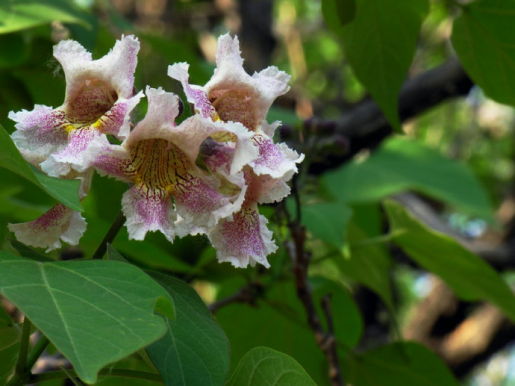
379	42
398	364
483	37
65	191
401	165
470	277
264	366
94	312
17	15
195	350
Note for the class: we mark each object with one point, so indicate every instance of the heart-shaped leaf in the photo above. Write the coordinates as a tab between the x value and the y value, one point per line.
94	312
264	366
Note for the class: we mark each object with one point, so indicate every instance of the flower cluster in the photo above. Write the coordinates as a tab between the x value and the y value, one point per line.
206	175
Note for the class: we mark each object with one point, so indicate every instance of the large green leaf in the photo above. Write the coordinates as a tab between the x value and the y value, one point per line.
195	350
398	364
379	37
327	221
278	322
94	312
469	276
17	15
349	323
401	165
65	191
483	37
9	345
264	366
368	264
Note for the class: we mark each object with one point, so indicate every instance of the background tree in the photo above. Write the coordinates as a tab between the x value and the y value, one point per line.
395	251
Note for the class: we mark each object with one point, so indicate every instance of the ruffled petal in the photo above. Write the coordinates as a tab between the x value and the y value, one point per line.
148	210
237	96
244	239
59	223
59	163
40	132
116	69
112	160
195	94
275	160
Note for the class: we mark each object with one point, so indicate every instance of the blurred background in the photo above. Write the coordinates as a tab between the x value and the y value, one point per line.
324	115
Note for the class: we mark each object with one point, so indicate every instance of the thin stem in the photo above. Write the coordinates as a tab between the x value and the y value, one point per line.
110	236
21	365
36	352
22	369
106	372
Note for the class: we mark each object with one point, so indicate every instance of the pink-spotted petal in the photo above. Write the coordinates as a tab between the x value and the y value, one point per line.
108	160
58	224
148	211
198	201
195	94
275	160
244	239
60	163
39	133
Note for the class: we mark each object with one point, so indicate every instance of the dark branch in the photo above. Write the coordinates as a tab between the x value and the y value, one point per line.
300	264
247	294
365	126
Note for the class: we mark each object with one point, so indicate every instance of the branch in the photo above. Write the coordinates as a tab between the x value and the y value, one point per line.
326	341
247	294
365	126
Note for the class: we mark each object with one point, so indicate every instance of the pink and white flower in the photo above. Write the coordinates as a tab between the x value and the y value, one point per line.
159	159
60	223
244	238
99	100
232	95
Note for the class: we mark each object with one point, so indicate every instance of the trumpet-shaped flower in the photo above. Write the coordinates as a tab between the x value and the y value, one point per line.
159	159
60	223
99	100
245	238
232	95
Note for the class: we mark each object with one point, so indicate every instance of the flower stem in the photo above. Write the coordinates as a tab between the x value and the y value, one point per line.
21	365
107	372
21	371
110	236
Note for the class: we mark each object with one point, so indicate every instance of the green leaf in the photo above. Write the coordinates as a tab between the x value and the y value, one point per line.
195	350
17	15
28	252
401	165
264	366
278	321
94	312
379	42
337	13
65	191
9	345
327	221
483	37
346	315
470	277
368	264
398	364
